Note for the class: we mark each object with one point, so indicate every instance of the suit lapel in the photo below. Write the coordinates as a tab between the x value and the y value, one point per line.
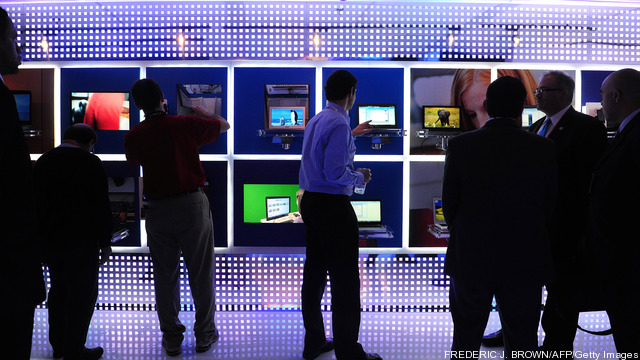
563	125
619	139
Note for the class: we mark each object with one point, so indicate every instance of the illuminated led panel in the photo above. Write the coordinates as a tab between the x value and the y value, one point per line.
285	30
389	283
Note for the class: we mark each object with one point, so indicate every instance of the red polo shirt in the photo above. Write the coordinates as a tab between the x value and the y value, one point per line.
167	148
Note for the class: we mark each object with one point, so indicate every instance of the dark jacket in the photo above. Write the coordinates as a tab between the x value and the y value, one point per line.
614	206
498	193
580	141
73	201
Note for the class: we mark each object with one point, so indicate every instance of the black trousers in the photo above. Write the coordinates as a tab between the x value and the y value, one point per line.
332	246
518	305
15	339
560	315
72	299
622	301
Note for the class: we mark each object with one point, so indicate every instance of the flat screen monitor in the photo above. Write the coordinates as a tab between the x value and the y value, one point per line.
441	118
278	206
101	110
286	106
23	103
286	117
381	115
206	96
531	114
438	214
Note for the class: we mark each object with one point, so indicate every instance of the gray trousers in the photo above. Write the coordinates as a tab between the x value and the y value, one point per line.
182	224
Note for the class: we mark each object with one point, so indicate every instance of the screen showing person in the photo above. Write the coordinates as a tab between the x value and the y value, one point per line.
441	117
381	116
531	114
23	103
470	85
286	117
101	110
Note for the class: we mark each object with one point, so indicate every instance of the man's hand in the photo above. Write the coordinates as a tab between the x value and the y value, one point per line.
202	112
366	173
362	129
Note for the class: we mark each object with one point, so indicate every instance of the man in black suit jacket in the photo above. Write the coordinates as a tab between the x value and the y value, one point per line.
21	277
614	207
498	193
580	141
75	227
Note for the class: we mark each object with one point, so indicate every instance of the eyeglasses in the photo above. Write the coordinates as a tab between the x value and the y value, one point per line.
544	90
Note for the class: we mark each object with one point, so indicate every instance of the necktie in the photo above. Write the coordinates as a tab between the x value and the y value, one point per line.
545	127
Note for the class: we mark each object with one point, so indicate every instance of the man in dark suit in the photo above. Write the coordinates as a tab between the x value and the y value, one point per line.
498	193
21	277
72	197
580	141
614	200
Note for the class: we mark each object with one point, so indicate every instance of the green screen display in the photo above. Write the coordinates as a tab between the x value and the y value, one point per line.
255	205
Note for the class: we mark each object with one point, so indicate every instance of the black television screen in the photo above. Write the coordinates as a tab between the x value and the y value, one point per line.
101	110
23	103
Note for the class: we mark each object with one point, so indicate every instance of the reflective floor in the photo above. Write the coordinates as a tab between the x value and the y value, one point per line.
277	335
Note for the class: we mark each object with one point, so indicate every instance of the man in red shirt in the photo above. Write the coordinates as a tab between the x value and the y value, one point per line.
178	218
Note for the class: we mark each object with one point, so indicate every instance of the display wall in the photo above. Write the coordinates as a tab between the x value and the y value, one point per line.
407	171
226	52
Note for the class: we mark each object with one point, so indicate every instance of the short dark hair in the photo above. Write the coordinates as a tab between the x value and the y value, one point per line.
146	94
339	85
83	134
505	97
4	22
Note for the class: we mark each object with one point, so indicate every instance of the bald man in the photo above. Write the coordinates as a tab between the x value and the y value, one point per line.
614	206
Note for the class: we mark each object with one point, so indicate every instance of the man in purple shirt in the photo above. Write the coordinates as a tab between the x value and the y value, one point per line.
328	176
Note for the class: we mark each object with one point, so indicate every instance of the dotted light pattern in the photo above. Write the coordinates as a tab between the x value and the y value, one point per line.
389	283
285	30
279	335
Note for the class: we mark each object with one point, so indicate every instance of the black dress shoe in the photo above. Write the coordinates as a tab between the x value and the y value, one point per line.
372	356
312	354
493	340
206	346
87	354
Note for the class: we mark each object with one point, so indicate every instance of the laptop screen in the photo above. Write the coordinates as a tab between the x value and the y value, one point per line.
381	116
278	206
438	214
367	211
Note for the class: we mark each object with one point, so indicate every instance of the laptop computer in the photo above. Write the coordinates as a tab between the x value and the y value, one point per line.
369	214
438	215
382	116
278	209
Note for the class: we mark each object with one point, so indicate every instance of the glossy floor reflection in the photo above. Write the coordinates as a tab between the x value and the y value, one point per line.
277	335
